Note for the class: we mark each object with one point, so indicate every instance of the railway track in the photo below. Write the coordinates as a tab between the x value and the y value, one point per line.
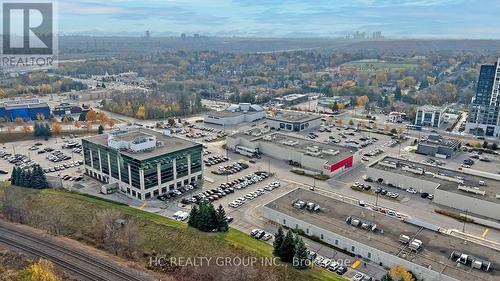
75	262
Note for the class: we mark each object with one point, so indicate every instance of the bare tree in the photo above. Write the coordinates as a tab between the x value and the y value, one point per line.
130	238
106	230
14	205
56	218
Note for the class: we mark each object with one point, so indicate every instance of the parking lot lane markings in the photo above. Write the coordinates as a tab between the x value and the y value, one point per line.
356	264
485	232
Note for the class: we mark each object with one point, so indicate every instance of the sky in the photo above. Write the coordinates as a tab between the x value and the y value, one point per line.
464	19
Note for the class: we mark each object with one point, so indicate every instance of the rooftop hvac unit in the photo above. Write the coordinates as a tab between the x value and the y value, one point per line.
404	238
313	148
364	224
463	258
299	204
415	245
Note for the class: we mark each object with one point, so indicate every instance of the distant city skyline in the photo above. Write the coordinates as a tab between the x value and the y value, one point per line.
450	19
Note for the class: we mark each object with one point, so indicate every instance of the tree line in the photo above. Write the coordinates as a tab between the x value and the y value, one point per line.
290	248
31	178
206	218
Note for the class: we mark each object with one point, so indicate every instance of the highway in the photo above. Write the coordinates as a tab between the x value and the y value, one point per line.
76	261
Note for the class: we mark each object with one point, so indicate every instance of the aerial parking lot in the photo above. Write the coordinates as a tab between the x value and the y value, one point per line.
61	157
350	136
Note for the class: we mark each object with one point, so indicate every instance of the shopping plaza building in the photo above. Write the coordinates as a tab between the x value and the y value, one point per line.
143	163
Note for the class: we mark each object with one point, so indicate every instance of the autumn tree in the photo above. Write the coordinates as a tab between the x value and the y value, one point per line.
141	112
56	128
111	123
77	124
381	77
26	129
387	128
400	131
19	120
91	116
65	120
362	101
400	273
40	117
43	270
102	117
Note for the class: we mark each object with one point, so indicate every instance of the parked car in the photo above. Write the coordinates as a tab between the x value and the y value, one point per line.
341	270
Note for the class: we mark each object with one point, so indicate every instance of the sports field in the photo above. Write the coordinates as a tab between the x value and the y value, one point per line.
375	66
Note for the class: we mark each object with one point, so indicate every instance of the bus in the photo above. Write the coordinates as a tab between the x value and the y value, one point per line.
247	151
414	127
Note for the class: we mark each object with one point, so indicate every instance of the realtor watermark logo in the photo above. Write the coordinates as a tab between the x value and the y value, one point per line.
29	35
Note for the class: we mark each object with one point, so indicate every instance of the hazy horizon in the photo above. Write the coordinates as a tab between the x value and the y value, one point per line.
403	19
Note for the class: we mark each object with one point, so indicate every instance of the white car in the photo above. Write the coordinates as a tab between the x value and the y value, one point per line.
411	190
325	263
267	237
318	260
333	266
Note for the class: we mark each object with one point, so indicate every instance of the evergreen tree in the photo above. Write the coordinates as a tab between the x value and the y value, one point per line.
397	94
221	219
36	130
300	257
194	217
278	240
287	248
100	130
82	117
47	131
38	179
212	218
14	177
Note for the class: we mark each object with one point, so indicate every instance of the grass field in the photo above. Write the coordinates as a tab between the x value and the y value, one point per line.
157	233
375	66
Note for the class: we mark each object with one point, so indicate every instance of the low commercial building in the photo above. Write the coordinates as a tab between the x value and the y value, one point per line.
307	154
436	145
143	163
430	116
328	101
466	190
89	95
396	117
236	114
294	121
26	109
420	247
292	99
67	109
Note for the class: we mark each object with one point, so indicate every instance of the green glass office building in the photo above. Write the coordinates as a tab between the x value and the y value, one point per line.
143	163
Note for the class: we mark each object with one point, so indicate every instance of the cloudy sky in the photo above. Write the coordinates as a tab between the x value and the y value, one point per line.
286	18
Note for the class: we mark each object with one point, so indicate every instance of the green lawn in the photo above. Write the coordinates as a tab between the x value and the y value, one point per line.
379	66
160	234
